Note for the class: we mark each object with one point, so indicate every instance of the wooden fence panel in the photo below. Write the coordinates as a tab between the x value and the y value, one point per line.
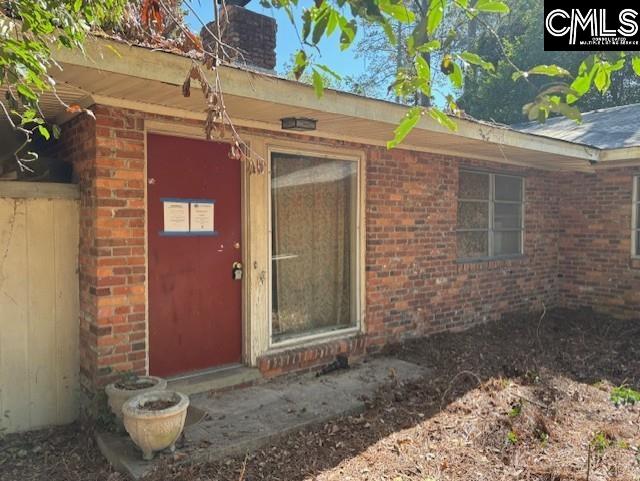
38	306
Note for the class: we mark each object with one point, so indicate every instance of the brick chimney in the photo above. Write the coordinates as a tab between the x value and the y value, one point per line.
251	33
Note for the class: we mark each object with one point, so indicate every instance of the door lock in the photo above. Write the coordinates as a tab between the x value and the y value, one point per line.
236	271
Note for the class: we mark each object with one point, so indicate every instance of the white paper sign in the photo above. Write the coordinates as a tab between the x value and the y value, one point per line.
202	217
176	216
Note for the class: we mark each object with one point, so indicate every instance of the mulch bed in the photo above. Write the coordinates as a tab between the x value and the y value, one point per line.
523	399
57	454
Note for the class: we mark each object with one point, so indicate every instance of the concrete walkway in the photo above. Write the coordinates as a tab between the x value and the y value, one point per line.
240	421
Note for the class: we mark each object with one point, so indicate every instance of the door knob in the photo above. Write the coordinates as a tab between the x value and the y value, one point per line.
236	271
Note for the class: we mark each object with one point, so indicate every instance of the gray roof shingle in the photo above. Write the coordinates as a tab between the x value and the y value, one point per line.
612	128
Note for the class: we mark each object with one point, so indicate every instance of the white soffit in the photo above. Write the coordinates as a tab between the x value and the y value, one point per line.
149	80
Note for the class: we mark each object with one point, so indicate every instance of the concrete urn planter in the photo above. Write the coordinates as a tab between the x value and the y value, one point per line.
155	420
120	392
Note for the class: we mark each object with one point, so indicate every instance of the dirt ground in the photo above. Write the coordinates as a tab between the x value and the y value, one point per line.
522	399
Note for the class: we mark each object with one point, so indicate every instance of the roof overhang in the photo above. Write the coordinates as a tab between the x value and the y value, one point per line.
134	77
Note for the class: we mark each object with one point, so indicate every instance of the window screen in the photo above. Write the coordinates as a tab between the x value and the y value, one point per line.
490	220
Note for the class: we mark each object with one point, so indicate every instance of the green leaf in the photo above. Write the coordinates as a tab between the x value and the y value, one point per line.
435	15
331	72
26	92
29	115
398	10
391	36
348	30
451	103
635	63
300	64
318	83
492	6
548	70
332	24
321	26
475	59
406	126
430	46
422	68
568	111
44	132
625	395
582	83
456	76
602	79
443	119
619	64
306	24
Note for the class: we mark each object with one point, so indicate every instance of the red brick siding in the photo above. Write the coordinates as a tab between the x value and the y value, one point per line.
108	158
596	268
414	284
302	359
78	146
120	243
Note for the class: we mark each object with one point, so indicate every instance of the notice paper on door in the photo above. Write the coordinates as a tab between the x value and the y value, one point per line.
176	216
202	213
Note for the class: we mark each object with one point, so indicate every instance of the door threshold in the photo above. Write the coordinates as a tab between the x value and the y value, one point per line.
204	372
216	379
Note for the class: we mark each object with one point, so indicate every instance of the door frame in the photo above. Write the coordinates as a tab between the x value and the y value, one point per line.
196	132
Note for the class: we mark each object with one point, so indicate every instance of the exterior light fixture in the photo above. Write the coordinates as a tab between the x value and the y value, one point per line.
298	123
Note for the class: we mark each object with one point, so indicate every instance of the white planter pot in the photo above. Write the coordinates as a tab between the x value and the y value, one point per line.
120	392
155	430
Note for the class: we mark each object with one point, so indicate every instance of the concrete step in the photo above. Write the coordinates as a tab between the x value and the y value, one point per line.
215	380
241	420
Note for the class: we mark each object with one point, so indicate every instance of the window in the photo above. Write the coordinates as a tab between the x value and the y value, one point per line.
636	217
490	215
313	245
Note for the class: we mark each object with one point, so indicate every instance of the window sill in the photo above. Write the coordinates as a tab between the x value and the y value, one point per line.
635	263
492	259
491	263
314	339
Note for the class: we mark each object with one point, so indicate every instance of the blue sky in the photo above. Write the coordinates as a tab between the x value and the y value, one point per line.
287	42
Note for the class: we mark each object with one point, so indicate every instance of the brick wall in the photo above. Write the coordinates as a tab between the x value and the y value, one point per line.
78	146
303	359
596	268
119	244
414	284
108	158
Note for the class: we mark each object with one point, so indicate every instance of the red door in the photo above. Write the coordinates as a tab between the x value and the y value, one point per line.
194	301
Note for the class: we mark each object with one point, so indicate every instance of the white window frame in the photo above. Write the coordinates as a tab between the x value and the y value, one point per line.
491	227
635	222
359	241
